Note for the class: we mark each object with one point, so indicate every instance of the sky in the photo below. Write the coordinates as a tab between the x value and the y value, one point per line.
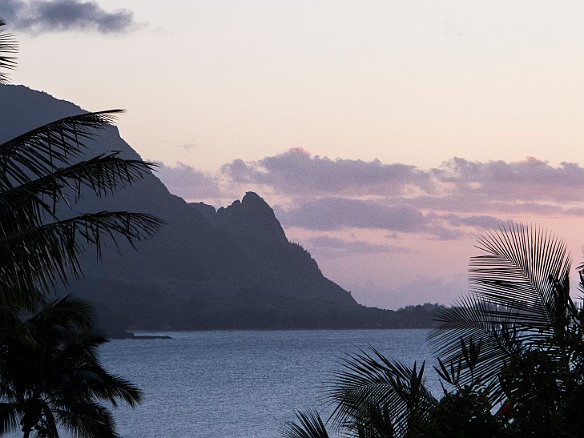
387	135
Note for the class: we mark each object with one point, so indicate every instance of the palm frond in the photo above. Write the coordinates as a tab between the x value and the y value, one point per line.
11	325
580	270
309	425
47	254
8	418
41	167
49	368
42	151
519	290
102	175
371	384
60	373
87	419
108	387
379	424
48	421
8	47
466	321
67	311
524	269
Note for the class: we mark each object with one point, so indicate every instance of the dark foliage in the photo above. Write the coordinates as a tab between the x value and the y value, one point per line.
50	374
510	354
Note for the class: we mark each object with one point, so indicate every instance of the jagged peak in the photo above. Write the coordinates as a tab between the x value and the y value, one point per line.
254	217
250	197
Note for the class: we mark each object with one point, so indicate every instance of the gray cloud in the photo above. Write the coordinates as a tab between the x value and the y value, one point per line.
64	15
334	244
527	180
338	213
457	184
445	202
296	171
188	183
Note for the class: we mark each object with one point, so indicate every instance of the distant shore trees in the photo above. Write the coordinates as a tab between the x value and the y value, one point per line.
510	357
50	375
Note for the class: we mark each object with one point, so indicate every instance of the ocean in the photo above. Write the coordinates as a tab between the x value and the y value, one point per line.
240	384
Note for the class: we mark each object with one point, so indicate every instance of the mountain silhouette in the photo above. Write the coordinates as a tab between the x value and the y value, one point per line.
230	268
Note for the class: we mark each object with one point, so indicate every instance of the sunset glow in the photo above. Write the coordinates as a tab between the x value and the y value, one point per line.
386	135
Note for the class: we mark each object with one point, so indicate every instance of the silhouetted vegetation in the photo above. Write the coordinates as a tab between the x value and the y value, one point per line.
510	357
50	375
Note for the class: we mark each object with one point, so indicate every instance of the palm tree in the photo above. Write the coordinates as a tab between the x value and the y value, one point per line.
45	167
510	355
52	377
519	300
531	333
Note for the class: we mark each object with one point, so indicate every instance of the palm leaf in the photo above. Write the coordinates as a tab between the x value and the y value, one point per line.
519	294
60	372
370	387
524	269
41	167
8	418
47	254
379	424
43	150
96	382
309	425
87	419
102	175
66	311
49	368
48	421
8	48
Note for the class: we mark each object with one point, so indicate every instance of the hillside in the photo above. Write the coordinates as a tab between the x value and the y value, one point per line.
231	268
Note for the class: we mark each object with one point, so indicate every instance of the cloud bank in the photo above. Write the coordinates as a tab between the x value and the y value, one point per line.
326	194
64	15
297	171
457	197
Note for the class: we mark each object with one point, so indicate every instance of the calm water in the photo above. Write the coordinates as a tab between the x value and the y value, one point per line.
238	384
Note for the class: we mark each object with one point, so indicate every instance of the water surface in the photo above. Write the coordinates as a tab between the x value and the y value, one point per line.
238	384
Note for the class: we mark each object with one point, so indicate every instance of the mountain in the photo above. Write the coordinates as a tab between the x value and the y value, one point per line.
231	268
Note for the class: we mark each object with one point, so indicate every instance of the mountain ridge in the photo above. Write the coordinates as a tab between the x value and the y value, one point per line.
226	268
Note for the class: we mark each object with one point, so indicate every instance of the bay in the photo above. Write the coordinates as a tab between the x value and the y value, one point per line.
240	384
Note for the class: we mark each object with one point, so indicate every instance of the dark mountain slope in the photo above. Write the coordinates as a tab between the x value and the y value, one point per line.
228	269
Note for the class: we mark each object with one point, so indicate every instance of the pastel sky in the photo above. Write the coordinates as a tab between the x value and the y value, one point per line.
387	135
